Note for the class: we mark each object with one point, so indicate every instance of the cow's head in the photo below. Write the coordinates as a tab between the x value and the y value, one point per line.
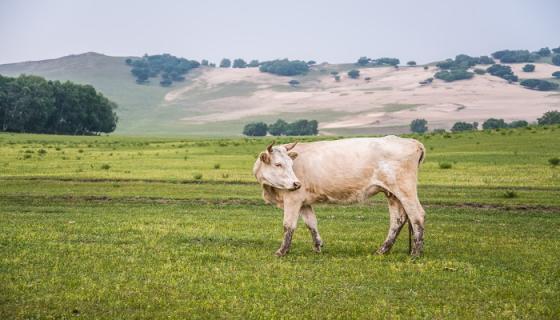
274	167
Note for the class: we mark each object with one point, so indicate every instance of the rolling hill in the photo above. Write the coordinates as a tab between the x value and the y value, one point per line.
215	101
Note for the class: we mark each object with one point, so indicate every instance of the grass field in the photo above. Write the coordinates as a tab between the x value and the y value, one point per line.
121	227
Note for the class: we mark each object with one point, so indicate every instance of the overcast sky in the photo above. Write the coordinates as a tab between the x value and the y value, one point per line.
333	31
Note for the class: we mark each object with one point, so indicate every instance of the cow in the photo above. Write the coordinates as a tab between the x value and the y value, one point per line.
296	176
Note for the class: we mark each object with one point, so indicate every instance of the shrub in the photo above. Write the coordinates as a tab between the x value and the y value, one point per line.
386	61
225	63
363	61
418	125
253	64
537	84
509	194
354	74
518	124
426	67
239	63
529	68
27	156
463	126
217	166
554	161
445	165
556	59
550	117
197	176
255	129
493	123
170	67
285	67
512	56
105	166
544	52
42	152
503	72
411	63
556	74
293	83
479	71
453	75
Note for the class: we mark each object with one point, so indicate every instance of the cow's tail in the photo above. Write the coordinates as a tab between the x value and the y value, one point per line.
422	150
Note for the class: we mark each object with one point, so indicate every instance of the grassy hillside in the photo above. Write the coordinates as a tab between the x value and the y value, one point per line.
97	227
219	102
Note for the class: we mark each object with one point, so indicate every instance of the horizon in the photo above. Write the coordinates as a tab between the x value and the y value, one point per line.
333	33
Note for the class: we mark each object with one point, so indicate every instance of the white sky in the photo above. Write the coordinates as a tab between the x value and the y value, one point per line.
333	31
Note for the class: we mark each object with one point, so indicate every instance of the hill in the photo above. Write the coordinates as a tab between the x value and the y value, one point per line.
216	101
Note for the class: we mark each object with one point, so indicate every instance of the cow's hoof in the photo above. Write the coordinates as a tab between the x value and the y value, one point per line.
280	253
317	246
381	251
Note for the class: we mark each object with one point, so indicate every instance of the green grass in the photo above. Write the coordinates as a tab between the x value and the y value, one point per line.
146	237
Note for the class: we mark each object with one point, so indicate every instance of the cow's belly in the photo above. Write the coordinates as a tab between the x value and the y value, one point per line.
342	195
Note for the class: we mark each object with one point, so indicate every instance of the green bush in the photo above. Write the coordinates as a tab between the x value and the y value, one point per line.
556	74
225	63
479	71
537	84
354	74
464	126
255	129
493	123
418	125
445	165
529	68
197	176
513	56
239	63
509	194
556	59
554	161
285	67
518	124
550	117
503	72
105	166
170	68
453	75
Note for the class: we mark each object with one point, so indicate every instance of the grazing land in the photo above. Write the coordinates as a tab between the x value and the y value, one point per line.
126	227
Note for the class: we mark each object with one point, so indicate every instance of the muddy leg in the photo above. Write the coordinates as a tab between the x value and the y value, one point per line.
291	213
308	215
397	219
416	215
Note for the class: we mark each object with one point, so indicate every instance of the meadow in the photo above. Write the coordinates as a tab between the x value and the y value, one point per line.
112	227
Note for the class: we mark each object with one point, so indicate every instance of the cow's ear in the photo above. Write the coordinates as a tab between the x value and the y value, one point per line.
293	154
265	157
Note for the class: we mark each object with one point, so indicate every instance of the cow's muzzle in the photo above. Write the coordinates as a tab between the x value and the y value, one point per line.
295	186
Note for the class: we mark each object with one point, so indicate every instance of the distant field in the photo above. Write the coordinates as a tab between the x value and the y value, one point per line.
112	227
219	102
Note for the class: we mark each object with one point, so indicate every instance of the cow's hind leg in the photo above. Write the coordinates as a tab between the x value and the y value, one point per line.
291	214
397	218
415	214
310	219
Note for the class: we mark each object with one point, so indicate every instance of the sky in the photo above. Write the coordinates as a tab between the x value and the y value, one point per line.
324	31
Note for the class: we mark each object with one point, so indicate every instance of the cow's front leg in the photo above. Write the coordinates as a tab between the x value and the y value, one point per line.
291	214
310	219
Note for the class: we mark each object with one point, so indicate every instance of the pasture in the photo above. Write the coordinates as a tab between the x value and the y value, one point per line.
125	227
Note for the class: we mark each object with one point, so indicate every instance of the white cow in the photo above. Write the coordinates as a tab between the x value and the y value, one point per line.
295	176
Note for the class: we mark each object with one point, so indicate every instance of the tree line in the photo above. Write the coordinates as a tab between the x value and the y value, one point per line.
548	118
34	105
170	68
283	128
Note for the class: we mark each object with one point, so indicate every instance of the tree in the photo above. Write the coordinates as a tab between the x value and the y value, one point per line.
239	63
204	62
529	68
33	104
278	128
311	62
549	117
479	71
493	123
255	129
419	125
302	128
544	52
513	56
170	67
556	50
363	61
463	126
225	63
503	72
556	59
354	74
253	64
411	63
518	124
556	74
453	75
285	67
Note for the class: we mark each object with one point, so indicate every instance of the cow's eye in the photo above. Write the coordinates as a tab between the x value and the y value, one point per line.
279	165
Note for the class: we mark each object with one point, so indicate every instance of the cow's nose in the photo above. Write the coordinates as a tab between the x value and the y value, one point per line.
297	185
